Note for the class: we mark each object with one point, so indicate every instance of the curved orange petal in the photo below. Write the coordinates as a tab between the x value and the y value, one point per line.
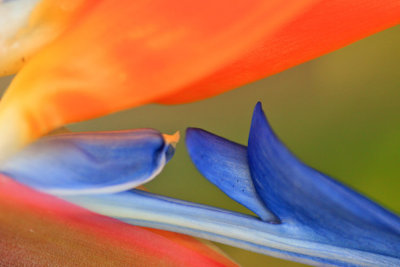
124	54
327	26
42	230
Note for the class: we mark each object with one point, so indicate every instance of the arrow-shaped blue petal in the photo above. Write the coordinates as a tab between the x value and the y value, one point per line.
224	163
316	207
315	211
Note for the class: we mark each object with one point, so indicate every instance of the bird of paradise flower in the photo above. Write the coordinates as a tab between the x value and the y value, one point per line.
170	99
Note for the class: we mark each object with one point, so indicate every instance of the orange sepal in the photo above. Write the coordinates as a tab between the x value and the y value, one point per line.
123	54
327	26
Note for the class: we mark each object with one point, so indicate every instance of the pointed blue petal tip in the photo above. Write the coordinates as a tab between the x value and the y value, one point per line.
91	163
317	207
224	164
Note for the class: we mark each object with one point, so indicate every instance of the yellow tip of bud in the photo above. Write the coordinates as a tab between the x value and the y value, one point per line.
172	139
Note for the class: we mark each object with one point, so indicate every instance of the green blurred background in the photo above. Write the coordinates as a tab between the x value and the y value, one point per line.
339	113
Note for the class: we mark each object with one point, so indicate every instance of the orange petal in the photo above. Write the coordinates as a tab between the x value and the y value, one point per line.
124	54
42	230
327	26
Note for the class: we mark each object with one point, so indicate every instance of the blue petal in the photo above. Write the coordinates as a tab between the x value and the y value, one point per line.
224	164
87	163
314	206
244	231
91	151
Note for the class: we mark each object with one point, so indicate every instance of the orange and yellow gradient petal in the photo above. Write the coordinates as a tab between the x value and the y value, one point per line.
119	55
110	56
40	229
